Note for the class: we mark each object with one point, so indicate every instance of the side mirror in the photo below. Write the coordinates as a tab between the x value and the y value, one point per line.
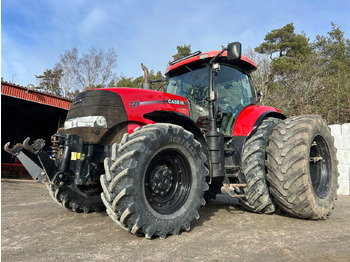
260	94
234	51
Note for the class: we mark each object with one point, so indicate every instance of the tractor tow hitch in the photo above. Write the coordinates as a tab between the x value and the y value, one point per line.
32	156
230	189
68	162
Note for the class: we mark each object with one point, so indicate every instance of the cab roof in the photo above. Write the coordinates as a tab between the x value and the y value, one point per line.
244	62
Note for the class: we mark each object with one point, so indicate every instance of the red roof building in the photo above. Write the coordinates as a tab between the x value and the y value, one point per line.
27	113
24	93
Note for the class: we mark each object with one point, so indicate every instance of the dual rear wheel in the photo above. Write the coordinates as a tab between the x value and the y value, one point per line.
302	167
291	165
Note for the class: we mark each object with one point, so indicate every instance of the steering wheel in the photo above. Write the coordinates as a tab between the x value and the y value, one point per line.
231	110
228	110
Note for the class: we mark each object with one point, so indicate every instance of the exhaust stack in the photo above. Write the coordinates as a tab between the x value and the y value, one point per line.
145	84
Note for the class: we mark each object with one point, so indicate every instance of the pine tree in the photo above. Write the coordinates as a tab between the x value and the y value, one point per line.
49	81
182	51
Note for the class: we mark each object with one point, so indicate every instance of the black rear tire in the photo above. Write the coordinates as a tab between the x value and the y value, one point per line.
155	180
253	171
302	167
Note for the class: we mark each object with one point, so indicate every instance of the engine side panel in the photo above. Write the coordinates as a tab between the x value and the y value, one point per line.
138	102
123	109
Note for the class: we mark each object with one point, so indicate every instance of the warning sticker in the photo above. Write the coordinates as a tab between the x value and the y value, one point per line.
73	156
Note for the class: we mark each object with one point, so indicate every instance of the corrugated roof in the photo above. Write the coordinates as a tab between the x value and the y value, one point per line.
34	95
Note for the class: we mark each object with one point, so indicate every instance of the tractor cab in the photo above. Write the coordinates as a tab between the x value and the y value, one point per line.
190	78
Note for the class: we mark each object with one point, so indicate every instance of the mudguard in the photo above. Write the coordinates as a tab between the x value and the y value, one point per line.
251	116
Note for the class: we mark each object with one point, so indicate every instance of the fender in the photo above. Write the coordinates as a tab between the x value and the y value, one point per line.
180	119
251	116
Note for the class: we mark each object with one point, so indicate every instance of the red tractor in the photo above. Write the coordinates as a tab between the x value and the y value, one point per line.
151	159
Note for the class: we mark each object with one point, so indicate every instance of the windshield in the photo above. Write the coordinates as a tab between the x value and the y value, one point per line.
233	88
193	84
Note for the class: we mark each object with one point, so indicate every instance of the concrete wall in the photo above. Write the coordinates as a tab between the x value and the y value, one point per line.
341	134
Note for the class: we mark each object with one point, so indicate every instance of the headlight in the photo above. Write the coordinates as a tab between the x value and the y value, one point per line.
101	121
86	121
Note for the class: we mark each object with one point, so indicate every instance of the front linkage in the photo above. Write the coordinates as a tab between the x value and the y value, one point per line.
72	161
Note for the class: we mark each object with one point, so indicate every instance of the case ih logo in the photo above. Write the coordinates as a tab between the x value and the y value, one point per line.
176	102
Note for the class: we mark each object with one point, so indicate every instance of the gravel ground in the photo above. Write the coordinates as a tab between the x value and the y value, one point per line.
35	228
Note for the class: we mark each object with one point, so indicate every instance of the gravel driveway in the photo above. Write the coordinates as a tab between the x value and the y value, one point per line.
35	228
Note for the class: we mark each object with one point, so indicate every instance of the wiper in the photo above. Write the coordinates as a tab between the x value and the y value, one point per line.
159	81
193	72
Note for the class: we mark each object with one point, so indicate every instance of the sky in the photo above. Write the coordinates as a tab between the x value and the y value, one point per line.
34	33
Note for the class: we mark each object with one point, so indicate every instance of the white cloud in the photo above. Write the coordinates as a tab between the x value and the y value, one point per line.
93	22
18	64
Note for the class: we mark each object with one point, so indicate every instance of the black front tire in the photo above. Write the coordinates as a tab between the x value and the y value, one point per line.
155	180
76	198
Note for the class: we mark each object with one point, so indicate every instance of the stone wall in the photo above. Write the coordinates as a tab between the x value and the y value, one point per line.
341	134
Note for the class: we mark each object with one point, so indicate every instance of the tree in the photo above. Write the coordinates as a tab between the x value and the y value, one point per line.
125	81
307	78
285	85
112	83
137	82
182	51
263	73
49	81
291	48
160	86
334	56
96	68
68	65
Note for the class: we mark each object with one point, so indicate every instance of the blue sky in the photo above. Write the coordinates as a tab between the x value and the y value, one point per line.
35	32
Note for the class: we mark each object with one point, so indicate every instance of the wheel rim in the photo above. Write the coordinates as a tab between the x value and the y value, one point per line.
320	166
167	181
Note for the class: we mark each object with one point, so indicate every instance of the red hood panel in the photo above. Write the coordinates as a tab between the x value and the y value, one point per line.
138	102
